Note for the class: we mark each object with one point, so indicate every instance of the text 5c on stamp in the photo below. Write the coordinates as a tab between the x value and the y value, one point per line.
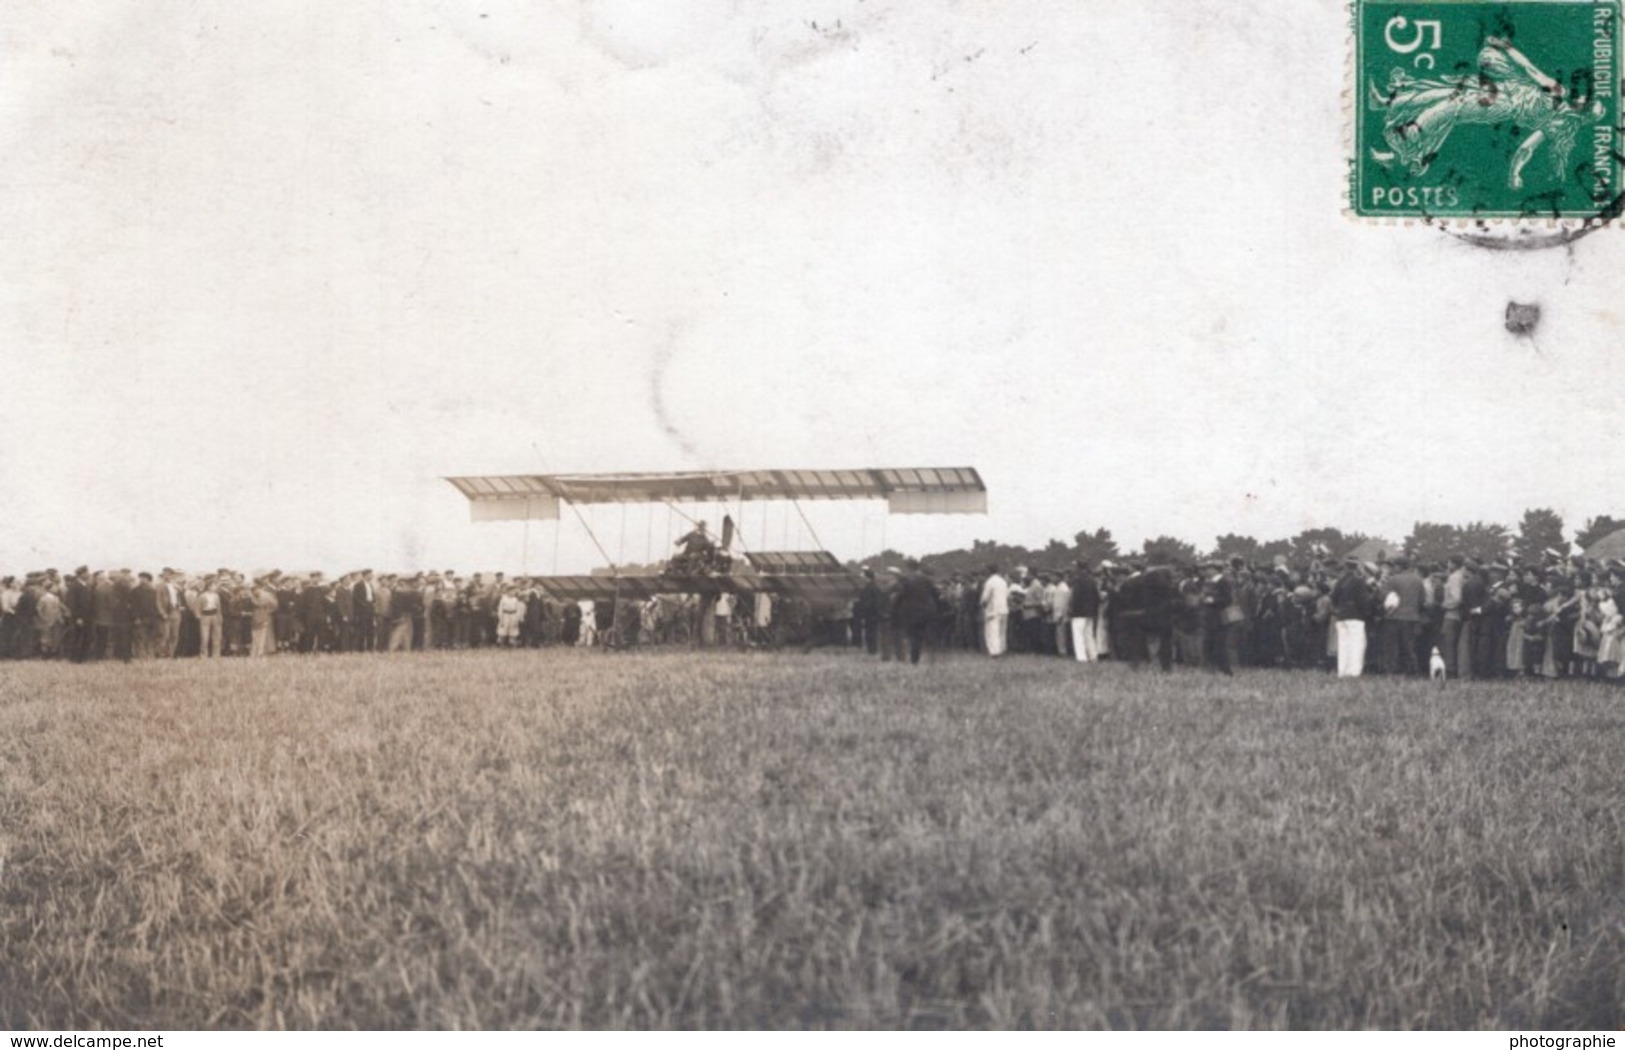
1486	110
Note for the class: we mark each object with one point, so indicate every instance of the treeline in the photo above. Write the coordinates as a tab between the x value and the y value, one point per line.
1540	530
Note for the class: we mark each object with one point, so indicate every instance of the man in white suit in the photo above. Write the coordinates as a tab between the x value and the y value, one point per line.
995	611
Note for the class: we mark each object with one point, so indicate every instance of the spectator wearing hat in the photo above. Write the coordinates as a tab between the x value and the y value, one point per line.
404	600
533	622
1450	628
1562	613
995	611
383	604
262	634
1035	613
102	616
1060	604
210	618
10	595
1611	647
146	618
916	608
1474	597
237	609
1189	629
1126	614
170	604
1083	612
313	614
510	613
1218	599
80	630
436	621
124	615
1403	599
1350	597
189	639
342	596
363	601
866	614
50	618
1494	624
1159	601
891	624
25	635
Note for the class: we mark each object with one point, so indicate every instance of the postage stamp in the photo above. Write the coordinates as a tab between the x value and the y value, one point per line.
1471	110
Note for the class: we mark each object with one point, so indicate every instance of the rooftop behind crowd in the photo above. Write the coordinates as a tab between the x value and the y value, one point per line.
1556	619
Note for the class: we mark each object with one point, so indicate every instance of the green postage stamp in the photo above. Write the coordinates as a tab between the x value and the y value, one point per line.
1469	110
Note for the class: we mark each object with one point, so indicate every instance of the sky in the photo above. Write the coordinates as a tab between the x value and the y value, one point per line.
271	271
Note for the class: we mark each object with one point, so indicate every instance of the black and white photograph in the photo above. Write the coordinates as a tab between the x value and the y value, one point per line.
538	515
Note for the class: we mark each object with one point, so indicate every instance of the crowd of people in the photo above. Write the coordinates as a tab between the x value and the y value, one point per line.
124	615
1560	618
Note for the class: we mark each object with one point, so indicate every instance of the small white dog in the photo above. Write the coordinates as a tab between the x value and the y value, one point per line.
1436	666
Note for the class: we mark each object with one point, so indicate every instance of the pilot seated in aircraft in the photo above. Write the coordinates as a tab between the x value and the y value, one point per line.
698	553
699	556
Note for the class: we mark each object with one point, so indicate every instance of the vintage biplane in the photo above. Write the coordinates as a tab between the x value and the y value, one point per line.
813	577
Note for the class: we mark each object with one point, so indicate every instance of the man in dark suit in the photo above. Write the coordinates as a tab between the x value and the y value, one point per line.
81	614
1218	595
1475	594
404	605
866	615
124	616
313	615
1083	611
1403	600
101	617
344	613
1159	592
915	607
364	598
146	618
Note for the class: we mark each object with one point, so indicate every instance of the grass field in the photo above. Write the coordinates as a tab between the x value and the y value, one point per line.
676	840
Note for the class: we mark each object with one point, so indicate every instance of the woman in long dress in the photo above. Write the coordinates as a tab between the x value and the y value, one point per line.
1562	610
1611	651
1515	639
1587	635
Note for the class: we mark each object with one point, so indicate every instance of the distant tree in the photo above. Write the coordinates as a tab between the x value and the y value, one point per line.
1434	542
1431	541
1170	548
1600	527
1231	544
1324	542
1055	555
1095	547
884	559
1486	541
1541	529
1269	551
981	554
1255	552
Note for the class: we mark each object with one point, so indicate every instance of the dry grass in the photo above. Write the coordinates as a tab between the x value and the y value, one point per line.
668	840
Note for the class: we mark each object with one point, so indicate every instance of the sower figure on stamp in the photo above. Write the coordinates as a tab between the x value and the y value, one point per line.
1507	89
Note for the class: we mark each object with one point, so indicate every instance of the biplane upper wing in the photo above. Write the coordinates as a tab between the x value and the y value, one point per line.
906	490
